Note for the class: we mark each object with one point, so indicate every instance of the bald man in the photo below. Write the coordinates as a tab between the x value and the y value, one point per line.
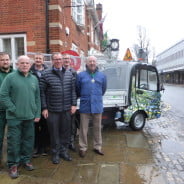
91	86
20	96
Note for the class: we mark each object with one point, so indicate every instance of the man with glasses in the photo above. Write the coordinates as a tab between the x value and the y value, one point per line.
58	98
5	69
67	66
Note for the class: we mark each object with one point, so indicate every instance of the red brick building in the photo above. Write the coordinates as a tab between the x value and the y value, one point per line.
49	26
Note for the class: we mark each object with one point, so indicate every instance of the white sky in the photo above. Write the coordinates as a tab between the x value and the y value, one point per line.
162	19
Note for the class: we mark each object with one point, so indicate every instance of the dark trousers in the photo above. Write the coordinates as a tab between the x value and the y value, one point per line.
59	125
3	123
73	129
42	139
20	139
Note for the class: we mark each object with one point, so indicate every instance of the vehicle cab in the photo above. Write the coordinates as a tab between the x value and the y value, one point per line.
133	93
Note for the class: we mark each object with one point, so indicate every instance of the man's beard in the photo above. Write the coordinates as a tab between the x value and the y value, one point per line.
5	68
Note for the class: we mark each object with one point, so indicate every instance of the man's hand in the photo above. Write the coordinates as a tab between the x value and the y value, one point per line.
45	113
36	120
73	109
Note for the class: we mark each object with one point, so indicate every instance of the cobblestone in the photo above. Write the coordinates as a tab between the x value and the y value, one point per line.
175	162
178	167
182	175
166	128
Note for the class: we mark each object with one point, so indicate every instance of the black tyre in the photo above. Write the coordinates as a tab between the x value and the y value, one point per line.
137	121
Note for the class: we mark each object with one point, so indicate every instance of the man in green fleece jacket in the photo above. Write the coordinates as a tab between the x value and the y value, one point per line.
5	69
20	95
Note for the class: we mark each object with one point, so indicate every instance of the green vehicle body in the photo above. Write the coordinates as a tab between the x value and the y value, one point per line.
148	103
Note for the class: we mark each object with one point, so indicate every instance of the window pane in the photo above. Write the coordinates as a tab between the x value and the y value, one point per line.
74	47
19	47
79	10
137	79
148	80
152	80
79	19
73	3
79	2
7	45
73	7
144	79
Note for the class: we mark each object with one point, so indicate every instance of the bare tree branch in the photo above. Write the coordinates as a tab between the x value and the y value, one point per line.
142	48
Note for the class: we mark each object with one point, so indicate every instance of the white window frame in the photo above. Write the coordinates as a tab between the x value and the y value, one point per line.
82	53
92	32
96	41
78	12
13	49
74	47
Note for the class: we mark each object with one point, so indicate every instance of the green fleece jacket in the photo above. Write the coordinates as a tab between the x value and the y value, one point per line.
2	76
20	95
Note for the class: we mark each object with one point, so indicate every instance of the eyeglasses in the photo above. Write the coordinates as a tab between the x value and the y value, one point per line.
58	59
66	58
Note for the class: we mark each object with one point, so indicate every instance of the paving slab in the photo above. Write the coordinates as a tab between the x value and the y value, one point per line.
128	159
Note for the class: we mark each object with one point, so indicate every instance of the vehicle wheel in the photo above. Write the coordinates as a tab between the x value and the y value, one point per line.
137	121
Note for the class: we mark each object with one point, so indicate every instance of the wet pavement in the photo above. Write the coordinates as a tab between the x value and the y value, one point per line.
152	156
166	139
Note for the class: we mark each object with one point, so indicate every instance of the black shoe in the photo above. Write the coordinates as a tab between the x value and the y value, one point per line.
55	159
82	153
44	152
98	152
72	147
28	166
1	164
36	153
65	156
13	172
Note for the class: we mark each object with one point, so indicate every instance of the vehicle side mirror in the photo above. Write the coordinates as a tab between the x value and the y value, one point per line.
140	92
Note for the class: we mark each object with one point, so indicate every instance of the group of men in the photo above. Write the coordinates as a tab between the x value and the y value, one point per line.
38	105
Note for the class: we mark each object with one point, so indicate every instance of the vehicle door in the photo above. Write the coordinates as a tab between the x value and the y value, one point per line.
147	93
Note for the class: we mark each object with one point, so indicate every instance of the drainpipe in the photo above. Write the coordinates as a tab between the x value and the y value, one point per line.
47	25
